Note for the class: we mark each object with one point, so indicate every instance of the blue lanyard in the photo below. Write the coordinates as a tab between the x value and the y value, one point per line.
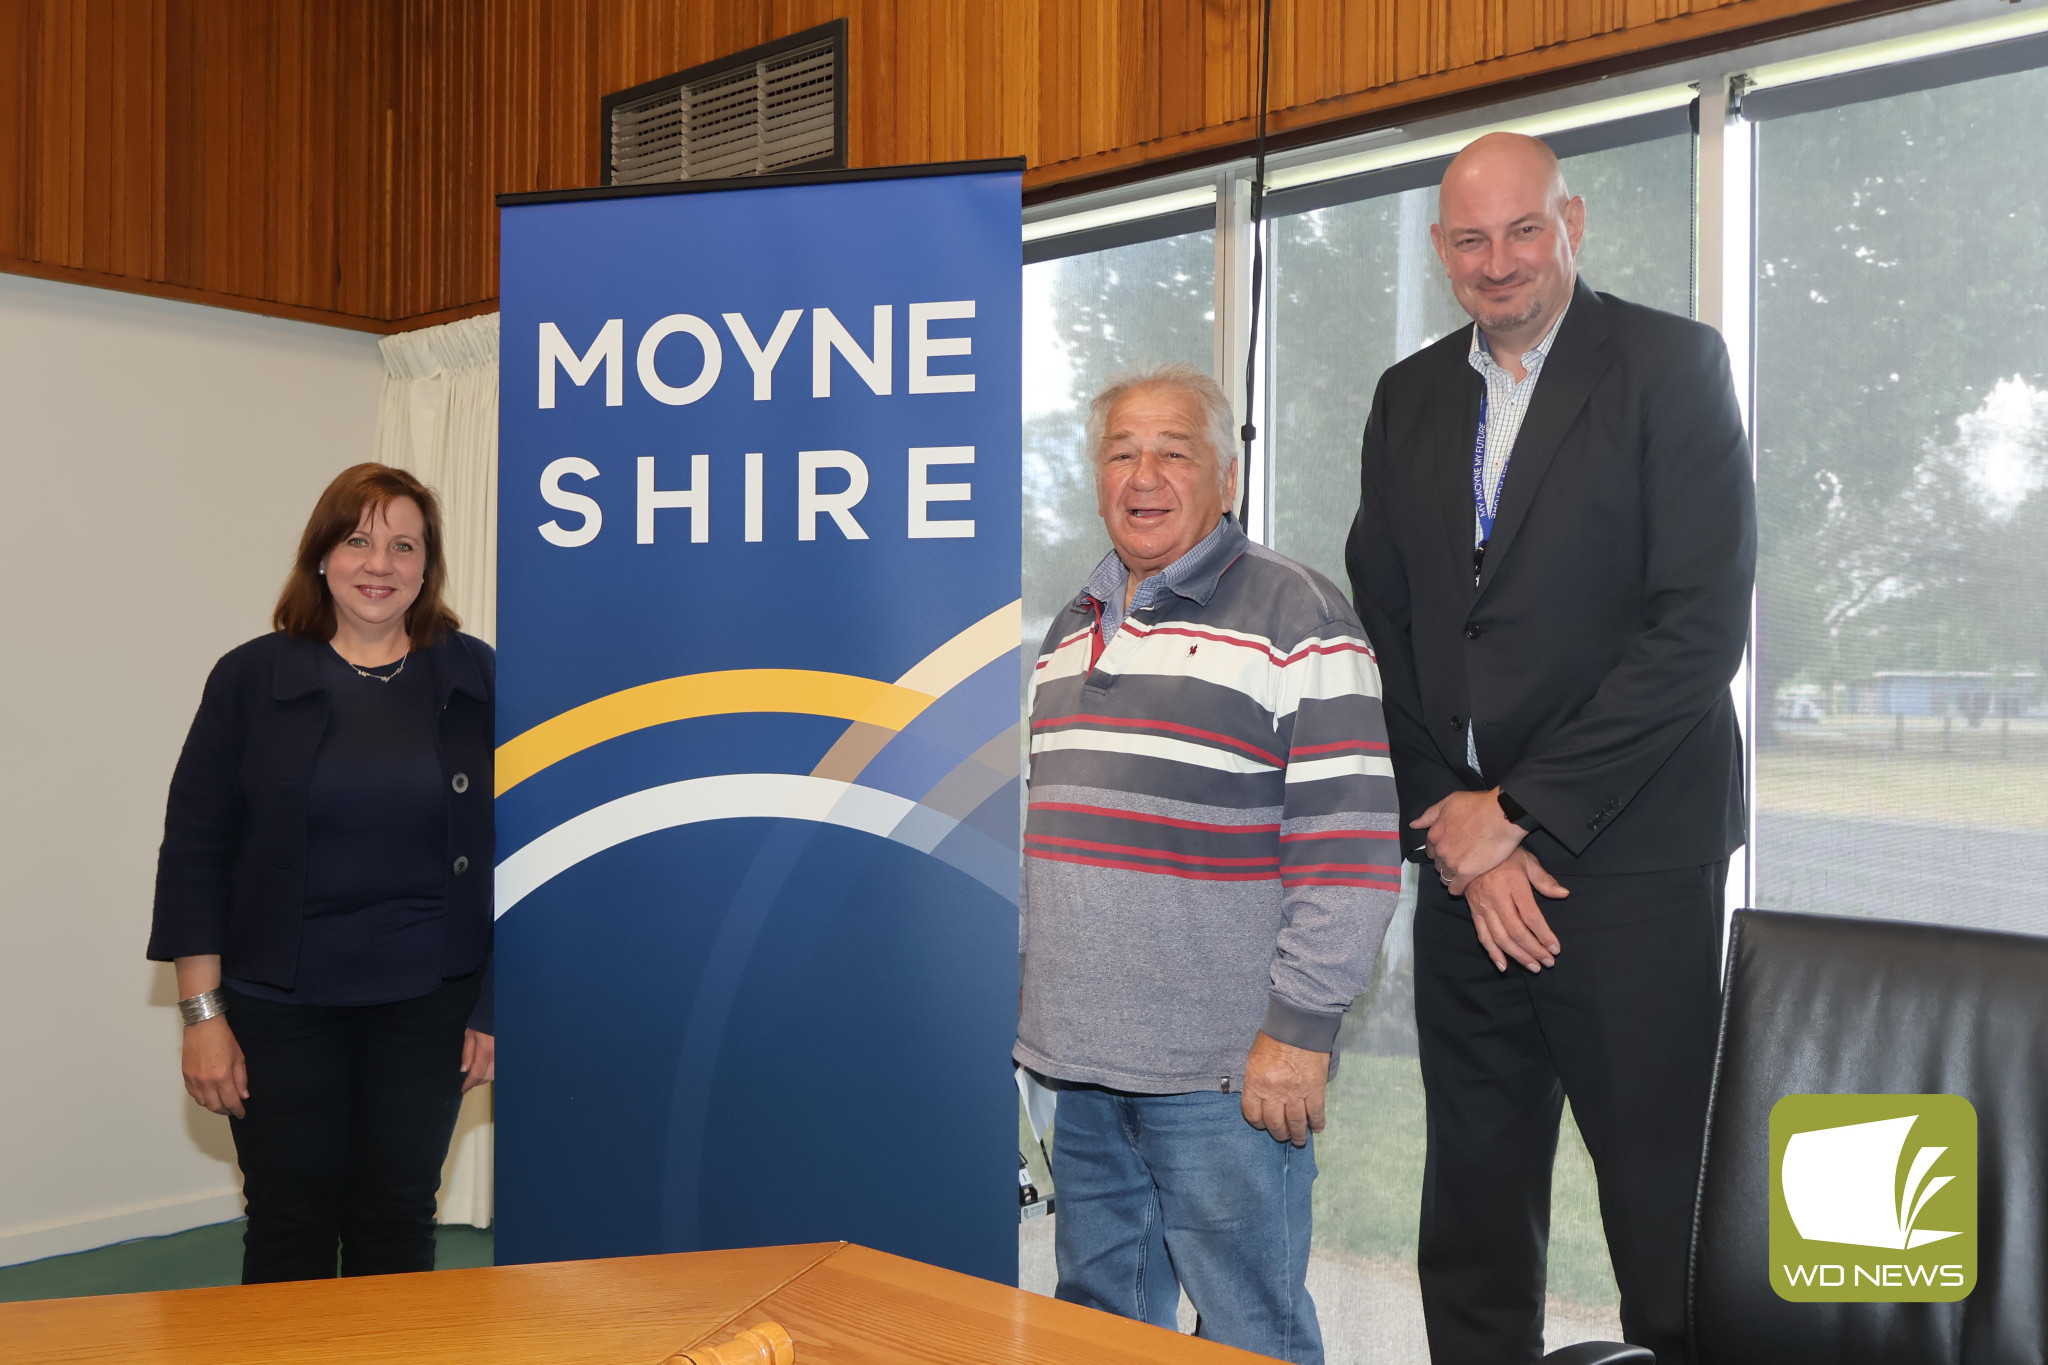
1480	504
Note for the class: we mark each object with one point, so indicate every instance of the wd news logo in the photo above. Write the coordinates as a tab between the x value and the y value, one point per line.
1873	1198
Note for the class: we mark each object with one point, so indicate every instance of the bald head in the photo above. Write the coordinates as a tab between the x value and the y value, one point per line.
1508	233
1503	163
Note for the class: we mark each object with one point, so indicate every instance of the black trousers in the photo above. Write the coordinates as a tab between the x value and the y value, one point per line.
1624	1025
348	1118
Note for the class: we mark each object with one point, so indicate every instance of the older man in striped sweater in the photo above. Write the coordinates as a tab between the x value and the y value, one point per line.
1210	865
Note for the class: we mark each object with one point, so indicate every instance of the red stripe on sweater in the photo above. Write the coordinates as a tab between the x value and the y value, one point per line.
1296	868
1364	746
1341	834
1185	874
1173	727
1079	809
1301	654
1282	660
1054	652
1151	852
1189	632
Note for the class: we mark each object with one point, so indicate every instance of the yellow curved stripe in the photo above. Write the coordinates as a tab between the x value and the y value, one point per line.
800	690
887	706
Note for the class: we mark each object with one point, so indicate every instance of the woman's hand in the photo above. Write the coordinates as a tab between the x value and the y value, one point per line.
215	1074
479	1059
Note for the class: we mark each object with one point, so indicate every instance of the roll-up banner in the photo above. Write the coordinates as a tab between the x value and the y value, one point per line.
757	775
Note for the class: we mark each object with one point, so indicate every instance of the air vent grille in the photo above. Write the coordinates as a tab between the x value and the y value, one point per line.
779	108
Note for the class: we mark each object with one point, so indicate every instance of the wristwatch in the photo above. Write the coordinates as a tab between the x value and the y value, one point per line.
1513	810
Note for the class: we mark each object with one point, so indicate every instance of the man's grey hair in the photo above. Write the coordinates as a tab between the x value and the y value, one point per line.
1219	429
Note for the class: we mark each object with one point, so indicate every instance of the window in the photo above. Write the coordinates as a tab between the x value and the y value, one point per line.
1356	287
1086	316
1901	739
1889	220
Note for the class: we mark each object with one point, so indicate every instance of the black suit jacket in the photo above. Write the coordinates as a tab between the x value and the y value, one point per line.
230	876
1595	654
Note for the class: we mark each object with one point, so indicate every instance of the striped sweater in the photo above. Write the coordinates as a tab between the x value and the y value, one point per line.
1210	848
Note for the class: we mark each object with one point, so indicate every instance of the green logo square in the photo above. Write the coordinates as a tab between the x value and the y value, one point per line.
1873	1198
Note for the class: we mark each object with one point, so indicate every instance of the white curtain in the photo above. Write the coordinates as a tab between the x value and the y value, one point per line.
438	418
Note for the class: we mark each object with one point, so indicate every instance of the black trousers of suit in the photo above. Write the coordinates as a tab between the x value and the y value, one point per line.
1623	1025
348	1118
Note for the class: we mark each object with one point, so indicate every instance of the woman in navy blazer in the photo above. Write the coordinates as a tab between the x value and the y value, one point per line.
324	889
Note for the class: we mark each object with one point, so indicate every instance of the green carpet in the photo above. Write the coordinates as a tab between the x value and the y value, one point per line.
185	1260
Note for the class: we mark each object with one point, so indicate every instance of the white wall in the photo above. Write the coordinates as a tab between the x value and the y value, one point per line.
157	463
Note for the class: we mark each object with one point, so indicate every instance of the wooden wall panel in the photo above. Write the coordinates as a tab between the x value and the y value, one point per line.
219	149
337	159
1349	63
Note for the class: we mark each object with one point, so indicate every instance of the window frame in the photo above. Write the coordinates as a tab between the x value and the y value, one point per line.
1930	45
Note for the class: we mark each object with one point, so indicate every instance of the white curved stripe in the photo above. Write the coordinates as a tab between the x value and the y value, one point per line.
973	649
730	796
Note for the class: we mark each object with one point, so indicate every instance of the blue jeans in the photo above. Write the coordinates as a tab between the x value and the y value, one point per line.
1160	1192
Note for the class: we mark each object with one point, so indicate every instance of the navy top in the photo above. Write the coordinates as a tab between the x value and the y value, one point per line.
249	866
376	831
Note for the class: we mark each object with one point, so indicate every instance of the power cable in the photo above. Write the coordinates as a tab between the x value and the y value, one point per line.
1249	432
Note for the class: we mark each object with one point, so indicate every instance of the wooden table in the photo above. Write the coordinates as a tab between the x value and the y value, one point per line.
843	1304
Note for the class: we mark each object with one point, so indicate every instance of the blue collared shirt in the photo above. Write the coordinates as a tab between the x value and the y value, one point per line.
1205	562
1507	403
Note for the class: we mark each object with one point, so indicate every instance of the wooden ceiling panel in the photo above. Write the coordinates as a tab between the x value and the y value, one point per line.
339	161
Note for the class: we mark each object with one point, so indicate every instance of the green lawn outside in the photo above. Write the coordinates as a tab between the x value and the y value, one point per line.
1369	1194
1991	777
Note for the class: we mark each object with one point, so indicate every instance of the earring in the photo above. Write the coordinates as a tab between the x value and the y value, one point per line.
323	573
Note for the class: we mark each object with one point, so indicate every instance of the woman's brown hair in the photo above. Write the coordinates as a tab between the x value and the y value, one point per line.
306	609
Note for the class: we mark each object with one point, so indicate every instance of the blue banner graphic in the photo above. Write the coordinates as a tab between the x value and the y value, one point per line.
757	773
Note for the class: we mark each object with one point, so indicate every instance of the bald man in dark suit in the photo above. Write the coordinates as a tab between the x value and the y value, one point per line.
1553	556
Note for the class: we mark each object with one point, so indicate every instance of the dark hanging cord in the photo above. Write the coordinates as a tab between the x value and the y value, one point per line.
1250	431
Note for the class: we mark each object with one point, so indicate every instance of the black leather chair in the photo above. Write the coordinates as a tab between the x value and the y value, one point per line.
1828	1005
1599	1353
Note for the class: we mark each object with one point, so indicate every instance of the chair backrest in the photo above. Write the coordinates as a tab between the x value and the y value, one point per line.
1830	1005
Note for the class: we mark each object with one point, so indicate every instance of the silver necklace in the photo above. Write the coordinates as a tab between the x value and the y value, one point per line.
377	677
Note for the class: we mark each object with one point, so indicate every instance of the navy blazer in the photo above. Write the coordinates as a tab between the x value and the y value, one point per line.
230	877
1593	656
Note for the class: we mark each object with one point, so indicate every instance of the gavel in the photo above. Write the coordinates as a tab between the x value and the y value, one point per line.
765	1343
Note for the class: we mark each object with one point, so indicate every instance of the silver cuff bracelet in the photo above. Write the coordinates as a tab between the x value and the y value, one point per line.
195	1009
